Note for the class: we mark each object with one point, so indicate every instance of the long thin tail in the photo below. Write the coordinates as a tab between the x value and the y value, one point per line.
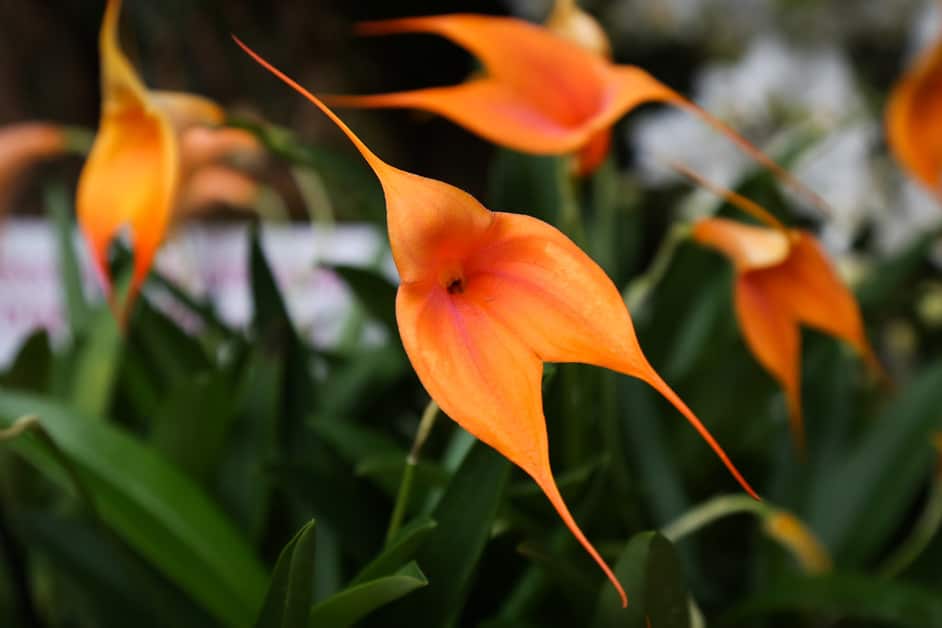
375	162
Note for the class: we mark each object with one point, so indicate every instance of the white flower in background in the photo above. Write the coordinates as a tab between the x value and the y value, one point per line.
774	87
911	216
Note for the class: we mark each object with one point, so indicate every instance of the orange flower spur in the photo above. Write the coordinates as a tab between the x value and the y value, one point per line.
133	172
914	120
485	299
783	280
540	93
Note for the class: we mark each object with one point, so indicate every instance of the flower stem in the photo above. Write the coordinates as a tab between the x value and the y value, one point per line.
638	290
710	511
925	530
408	473
570	214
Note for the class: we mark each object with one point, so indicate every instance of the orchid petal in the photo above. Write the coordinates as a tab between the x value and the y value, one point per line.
185	110
216	185
914	120
486	107
810	287
23	145
131	174
551	74
487	380
747	246
559	302
773	337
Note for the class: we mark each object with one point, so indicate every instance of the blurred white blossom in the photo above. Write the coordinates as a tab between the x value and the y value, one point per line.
771	88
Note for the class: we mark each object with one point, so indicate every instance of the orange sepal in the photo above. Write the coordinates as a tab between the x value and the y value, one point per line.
21	146
216	185
131	174
914	120
784	279
542	93
485	299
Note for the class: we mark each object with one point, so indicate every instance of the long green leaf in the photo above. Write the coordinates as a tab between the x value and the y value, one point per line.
650	571
151	505
451	553
344	608
849	595
291	592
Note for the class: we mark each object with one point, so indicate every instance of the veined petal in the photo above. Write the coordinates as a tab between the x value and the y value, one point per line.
562	305
807	284
486	107
748	247
772	335
914	119
486	379
550	73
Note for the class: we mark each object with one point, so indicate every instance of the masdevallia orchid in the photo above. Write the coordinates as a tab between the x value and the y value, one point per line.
783	280
485	299
914	120
135	172
540	93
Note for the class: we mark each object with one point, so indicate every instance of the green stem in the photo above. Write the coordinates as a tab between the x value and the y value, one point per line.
638	290
710	511
408	473
925	530
570	213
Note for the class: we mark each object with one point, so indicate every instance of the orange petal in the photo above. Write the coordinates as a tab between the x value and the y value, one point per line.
552	75
808	285
431	224
772	335
749	247
201	146
914	120
131	174
558	301
486	107
216	185
486	379
22	145
185	110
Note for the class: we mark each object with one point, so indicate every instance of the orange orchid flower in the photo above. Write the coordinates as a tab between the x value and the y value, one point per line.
133	173
914	120
485	299
541	93
783	279
22	146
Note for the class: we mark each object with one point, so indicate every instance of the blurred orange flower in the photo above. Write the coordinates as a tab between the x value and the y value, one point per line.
541	93
783	280
22	146
485	299
914	120
135	170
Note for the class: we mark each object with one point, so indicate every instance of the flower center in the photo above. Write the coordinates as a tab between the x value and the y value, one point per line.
455	285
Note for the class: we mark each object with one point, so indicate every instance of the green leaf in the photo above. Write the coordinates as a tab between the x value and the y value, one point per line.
374	292
31	370
151	505
400	550
122	589
57	202
849	595
95	368
651	574
191	425
451	552
887	468
350	605
893	276
291	592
